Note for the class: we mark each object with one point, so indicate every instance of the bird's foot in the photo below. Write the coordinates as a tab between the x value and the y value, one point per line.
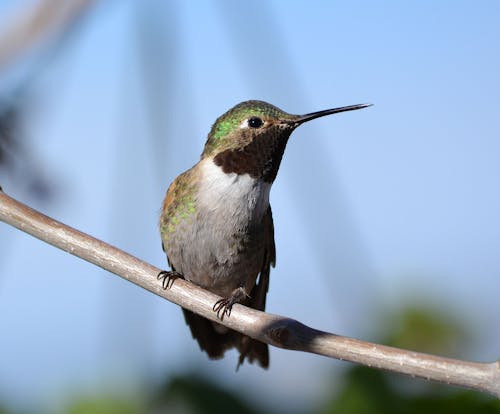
223	306
167	278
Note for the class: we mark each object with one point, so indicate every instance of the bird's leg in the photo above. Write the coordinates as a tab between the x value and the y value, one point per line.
223	306
167	278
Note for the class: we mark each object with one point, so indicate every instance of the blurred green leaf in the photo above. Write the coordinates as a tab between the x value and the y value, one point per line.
196	394
104	405
425	330
369	391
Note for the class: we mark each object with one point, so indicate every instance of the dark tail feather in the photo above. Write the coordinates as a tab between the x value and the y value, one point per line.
253	350
215	344
210	341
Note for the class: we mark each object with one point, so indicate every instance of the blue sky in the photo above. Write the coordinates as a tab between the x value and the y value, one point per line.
373	209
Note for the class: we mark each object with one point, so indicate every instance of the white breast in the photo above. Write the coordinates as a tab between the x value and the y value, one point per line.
237	196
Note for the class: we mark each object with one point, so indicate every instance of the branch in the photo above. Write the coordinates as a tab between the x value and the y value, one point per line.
272	329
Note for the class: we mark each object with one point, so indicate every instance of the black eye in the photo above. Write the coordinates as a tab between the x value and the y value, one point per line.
255	122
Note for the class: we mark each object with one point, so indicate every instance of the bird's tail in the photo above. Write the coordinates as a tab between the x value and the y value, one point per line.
215	340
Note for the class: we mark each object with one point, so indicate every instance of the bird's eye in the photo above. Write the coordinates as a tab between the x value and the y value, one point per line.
255	122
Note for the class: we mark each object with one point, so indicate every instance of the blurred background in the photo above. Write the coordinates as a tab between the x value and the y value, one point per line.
386	220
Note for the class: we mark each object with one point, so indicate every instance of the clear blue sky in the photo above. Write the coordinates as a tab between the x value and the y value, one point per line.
373	209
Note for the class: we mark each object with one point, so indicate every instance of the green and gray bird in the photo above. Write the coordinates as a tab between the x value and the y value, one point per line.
216	223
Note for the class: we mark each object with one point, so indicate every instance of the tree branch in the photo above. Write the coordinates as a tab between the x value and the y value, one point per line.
273	329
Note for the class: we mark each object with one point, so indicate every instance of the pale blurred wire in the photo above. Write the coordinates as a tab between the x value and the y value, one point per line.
150	110
158	46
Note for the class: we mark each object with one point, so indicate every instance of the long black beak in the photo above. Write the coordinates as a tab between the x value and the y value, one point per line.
313	115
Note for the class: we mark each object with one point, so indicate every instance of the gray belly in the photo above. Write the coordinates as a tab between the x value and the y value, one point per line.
218	253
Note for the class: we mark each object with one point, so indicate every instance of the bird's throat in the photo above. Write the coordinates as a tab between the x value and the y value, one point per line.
259	159
233	195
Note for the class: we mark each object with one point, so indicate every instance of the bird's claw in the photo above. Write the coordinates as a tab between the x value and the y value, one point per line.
167	278
223	307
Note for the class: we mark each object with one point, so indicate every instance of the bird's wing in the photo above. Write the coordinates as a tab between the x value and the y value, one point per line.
177	205
258	295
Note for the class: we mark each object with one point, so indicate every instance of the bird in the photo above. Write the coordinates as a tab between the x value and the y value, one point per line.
216	223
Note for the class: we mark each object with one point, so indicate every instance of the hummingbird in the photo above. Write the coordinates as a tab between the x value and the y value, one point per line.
216	223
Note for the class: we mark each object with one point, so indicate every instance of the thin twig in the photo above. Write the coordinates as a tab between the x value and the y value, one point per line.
273	329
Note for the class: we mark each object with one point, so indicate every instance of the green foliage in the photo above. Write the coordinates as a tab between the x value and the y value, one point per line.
424	330
104	405
192	393
370	391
